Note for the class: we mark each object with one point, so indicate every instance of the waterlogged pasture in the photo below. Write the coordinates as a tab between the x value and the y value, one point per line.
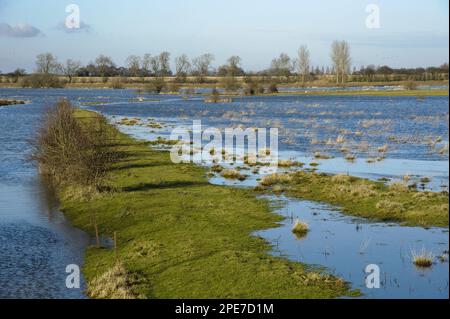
388	138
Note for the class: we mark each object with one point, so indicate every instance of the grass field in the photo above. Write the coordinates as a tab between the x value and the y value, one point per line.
178	236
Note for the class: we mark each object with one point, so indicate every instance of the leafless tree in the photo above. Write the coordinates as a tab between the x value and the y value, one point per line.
202	65
47	63
134	65
104	63
304	62
164	62
147	63
160	64
234	65
70	68
282	66
182	67
340	55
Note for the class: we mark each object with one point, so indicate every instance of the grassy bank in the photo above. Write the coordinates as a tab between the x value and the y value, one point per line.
180	237
364	198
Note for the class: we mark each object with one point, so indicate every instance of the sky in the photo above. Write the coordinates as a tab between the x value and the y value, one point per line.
411	33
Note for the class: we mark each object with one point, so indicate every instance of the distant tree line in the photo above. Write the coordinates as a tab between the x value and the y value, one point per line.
158	67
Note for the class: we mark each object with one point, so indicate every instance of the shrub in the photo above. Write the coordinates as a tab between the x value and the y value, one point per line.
272	88
411	85
38	81
72	150
157	85
230	84
117	84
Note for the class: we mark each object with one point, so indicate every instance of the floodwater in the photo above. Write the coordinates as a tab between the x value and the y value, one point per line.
36	242
412	132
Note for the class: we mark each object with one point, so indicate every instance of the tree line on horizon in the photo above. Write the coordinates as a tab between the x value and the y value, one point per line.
201	67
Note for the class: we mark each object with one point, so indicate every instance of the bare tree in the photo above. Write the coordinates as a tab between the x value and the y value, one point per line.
70	68
202	65
134	65
164	63
47	63
340	55
282	66
147	64
160	64
182	67
234	65
303	62
104	64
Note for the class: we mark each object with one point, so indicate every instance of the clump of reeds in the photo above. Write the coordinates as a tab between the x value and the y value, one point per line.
423	258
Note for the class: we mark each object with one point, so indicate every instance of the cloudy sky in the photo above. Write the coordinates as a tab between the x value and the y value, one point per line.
412	33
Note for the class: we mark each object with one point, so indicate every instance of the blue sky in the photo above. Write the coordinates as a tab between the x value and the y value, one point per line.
413	33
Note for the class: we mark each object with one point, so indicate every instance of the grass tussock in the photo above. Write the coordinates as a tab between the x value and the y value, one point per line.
300	228
116	283
274	179
423	258
233	174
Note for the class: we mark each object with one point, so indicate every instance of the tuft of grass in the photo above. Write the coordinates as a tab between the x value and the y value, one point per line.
289	163
233	174
274	179
423	258
115	283
300	228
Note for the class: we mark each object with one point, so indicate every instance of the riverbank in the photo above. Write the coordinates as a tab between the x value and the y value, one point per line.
178	236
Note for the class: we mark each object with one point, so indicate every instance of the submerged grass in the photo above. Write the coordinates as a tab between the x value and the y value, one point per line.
369	199
178	236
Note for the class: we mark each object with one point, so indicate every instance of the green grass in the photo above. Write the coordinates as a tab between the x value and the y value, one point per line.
369	199
181	237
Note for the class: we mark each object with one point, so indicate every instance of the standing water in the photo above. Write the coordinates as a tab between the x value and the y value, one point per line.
36	242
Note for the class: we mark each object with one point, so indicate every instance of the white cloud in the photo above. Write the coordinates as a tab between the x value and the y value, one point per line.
21	30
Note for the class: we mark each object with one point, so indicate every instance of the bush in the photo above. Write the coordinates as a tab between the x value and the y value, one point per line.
155	86
117	84
230	84
38	81
411	85
272	88
72	150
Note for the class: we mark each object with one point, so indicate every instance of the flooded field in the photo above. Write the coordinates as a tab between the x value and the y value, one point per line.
36	242
387	137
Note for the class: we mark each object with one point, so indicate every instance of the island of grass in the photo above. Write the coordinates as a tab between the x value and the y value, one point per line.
178	236
10	102
369	199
